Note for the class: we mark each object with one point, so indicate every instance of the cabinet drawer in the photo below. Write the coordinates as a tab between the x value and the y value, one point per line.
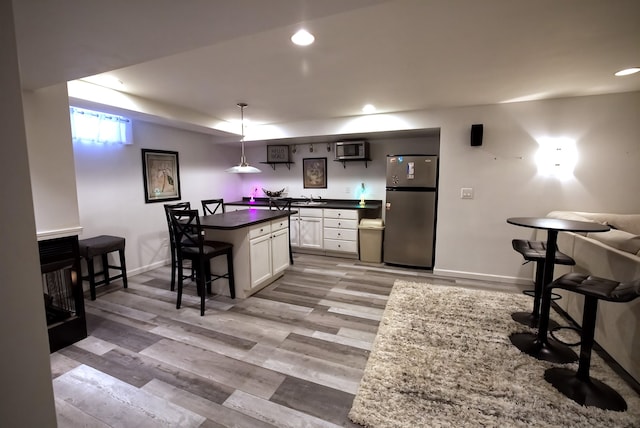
344	246
345	234
338	223
347	214
259	230
280	224
310	212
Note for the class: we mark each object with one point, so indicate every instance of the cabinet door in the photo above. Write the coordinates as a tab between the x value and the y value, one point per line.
311	232
260	255
294	231
280	250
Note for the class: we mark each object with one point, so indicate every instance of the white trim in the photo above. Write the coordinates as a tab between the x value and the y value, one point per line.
59	233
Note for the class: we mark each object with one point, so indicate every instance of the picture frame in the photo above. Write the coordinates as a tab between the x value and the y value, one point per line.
277	153
160	175
314	173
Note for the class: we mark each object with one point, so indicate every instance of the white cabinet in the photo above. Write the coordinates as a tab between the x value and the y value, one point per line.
341	231
268	251
306	229
294	231
260	253
279	250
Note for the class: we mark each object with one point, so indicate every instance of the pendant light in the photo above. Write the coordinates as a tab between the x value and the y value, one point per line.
243	167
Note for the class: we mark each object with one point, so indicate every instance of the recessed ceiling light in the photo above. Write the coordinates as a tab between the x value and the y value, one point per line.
628	71
302	38
369	108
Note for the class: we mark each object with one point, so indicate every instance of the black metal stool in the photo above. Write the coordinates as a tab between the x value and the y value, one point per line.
535	251
578	386
101	246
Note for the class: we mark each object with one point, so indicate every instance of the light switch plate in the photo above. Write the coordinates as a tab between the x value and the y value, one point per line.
466	193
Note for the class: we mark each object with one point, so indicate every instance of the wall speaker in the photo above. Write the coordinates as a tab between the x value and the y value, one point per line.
476	134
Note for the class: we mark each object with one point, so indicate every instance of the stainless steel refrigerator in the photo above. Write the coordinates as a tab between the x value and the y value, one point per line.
410	210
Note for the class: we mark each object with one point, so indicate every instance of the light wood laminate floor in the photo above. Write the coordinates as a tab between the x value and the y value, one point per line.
290	356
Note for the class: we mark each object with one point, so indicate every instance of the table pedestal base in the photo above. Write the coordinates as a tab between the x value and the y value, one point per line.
549	350
528	319
590	392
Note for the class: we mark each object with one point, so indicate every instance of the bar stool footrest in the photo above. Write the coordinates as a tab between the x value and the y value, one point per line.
532	293
552	331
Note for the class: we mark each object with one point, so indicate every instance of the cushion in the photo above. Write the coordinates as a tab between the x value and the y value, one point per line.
618	239
569	215
627	222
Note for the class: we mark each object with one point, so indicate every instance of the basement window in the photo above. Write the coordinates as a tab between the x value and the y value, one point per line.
94	127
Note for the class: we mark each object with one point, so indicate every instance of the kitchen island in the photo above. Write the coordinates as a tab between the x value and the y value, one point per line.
260	247
321	226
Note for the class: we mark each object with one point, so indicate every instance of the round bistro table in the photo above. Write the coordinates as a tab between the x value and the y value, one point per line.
539	345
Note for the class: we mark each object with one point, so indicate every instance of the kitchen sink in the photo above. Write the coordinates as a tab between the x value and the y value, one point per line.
307	203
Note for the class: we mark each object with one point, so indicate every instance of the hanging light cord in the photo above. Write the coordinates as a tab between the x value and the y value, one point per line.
243	159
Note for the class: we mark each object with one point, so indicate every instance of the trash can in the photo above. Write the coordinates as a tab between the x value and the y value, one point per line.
370	230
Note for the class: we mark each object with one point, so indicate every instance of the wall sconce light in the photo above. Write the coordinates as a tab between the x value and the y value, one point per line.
328	147
556	157
311	148
293	149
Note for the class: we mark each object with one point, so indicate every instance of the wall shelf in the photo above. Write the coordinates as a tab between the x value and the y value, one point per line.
273	164
344	161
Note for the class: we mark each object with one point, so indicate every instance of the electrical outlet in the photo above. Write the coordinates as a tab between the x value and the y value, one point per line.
347	190
466	193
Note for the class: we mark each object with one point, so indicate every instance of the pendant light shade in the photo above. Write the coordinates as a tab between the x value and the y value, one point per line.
243	167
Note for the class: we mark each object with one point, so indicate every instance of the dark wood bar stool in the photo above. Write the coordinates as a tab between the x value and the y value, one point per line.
579	386
191	245
535	251
101	246
172	239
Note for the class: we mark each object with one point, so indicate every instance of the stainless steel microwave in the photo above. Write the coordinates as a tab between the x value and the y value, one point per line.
351	150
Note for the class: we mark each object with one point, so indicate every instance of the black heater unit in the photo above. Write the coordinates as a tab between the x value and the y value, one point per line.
62	291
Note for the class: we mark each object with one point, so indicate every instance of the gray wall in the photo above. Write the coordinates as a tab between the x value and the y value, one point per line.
27	394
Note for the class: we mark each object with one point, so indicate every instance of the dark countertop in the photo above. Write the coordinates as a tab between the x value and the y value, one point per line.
349	204
239	219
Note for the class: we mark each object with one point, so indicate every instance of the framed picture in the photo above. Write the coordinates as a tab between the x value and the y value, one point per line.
277	153
161	175
314	173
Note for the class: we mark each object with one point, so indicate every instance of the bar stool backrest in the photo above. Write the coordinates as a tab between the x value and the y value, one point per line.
188	233
211	206
280	204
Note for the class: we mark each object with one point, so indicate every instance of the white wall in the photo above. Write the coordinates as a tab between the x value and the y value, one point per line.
111	193
473	238
343	182
27	394
51	162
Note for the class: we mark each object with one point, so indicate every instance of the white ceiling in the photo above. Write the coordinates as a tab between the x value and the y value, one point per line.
401	55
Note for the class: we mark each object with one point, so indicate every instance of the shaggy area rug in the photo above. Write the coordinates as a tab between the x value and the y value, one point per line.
442	357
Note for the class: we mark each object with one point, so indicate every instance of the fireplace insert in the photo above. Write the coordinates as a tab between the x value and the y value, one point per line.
62	291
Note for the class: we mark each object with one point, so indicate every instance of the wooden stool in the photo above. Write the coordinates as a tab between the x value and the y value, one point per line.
101	246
